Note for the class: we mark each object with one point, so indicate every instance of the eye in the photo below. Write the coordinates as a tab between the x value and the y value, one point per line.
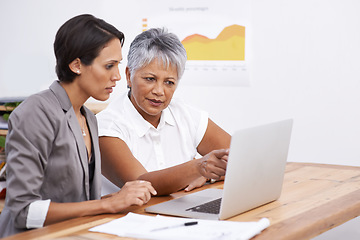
150	79
169	82
109	66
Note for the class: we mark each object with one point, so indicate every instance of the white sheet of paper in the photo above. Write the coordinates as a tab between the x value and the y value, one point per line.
143	226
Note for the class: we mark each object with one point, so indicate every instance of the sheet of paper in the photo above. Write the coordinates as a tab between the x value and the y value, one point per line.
149	227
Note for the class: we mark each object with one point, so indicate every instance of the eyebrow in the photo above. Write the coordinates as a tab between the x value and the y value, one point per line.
114	61
153	74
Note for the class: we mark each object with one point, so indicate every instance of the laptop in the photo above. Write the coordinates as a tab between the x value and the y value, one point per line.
254	176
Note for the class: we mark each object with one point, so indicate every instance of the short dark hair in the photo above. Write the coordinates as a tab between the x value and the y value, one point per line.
82	37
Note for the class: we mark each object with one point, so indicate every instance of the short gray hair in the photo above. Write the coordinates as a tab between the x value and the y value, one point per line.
156	43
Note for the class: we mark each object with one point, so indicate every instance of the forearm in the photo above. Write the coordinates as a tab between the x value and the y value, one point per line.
63	211
135	193
173	179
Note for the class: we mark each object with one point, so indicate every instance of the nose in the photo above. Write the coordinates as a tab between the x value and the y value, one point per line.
116	76
158	89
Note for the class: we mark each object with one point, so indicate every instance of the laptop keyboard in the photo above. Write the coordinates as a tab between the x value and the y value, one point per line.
209	207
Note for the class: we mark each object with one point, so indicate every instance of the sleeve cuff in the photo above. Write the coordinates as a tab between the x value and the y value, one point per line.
37	213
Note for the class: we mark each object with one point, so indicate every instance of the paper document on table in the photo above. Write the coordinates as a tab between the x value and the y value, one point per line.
160	227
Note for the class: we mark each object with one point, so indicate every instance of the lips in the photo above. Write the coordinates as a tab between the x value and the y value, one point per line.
155	102
110	89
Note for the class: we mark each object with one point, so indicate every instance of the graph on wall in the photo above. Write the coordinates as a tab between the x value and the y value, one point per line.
229	45
215	36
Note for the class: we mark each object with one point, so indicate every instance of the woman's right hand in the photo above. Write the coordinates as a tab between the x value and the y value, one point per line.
213	165
132	193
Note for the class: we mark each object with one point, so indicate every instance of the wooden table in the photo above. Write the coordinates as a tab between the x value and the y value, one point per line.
315	198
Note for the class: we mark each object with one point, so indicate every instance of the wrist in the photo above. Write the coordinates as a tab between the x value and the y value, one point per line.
200	162
105	206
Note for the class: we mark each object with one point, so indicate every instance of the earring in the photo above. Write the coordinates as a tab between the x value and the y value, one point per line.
78	71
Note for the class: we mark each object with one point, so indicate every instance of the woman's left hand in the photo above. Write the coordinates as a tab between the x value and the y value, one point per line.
199	182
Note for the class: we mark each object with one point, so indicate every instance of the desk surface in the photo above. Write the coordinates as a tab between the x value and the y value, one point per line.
314	199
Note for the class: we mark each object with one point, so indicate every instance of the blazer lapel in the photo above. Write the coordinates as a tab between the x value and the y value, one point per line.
93	129
80	144
65	103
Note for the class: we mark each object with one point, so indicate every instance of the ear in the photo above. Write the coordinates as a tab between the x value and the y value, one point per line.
128	76
75	66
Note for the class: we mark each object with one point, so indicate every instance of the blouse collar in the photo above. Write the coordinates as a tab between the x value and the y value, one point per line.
140	125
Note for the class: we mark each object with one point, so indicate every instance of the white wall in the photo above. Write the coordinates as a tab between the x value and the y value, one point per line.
306	65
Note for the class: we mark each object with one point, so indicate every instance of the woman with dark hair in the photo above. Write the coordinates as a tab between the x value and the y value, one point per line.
53	157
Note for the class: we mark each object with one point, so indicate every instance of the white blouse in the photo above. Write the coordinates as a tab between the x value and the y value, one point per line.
173	142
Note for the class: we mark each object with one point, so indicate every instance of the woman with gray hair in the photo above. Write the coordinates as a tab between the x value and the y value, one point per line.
146	134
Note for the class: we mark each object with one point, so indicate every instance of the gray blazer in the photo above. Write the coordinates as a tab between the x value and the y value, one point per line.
47	157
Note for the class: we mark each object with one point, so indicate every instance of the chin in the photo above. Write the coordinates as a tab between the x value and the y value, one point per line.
151	113
103	98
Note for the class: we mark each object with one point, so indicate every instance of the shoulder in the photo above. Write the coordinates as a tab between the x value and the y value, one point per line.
43	103
113	118
189	119
113	112
37	117
180	109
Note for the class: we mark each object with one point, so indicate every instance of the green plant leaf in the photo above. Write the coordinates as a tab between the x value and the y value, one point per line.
2	141
12	104
6	116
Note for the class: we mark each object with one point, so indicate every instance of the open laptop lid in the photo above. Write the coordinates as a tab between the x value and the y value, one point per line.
256	167
254	174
